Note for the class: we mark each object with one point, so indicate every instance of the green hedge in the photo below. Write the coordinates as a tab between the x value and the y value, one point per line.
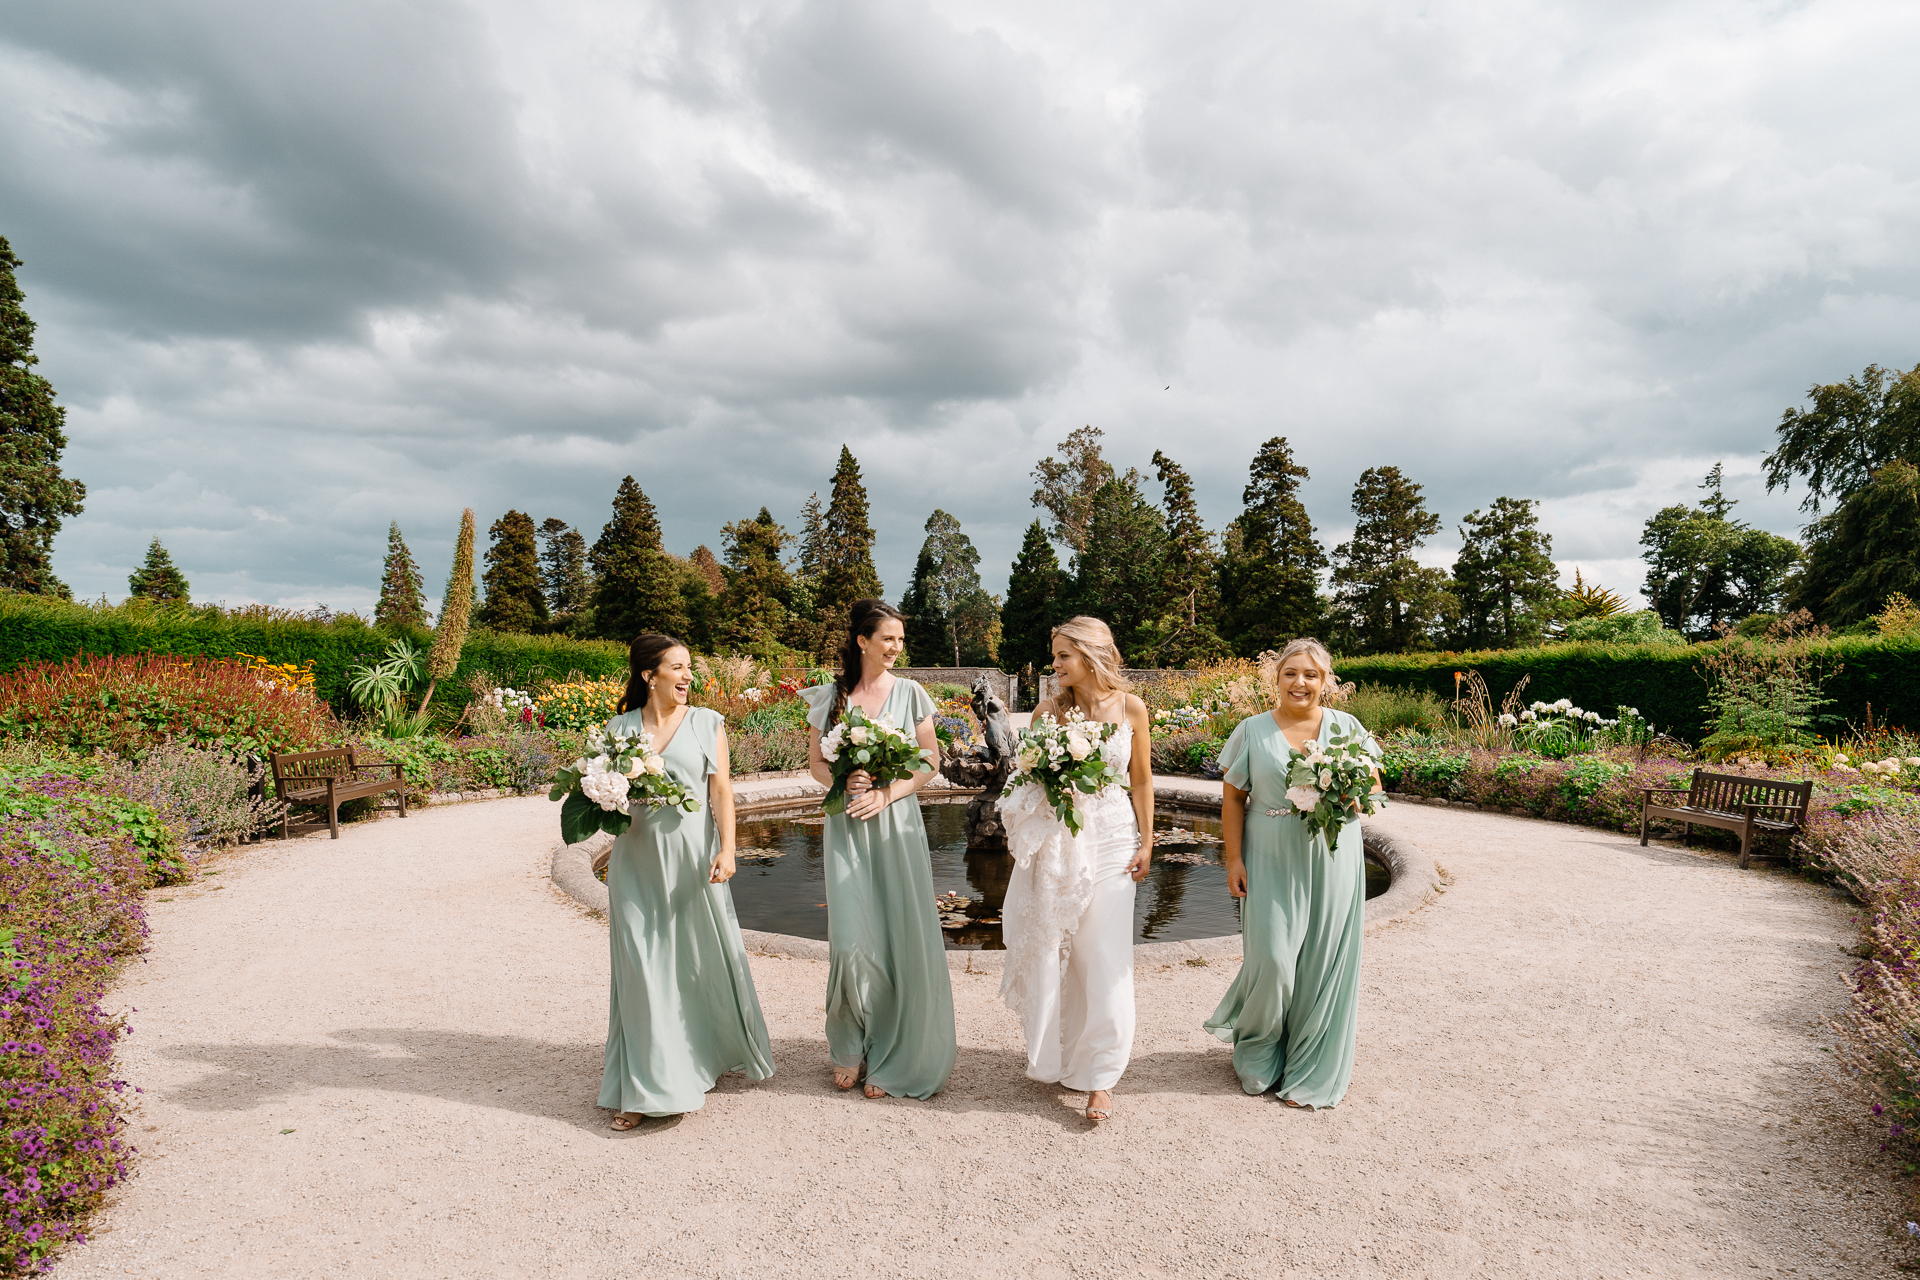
1667	684
36	629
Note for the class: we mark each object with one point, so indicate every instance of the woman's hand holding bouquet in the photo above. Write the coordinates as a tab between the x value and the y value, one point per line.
1066	760
1332	785
601	789
859	744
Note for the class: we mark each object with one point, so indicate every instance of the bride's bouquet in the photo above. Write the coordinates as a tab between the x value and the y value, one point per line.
601	789
1065	760
858	741
1332	785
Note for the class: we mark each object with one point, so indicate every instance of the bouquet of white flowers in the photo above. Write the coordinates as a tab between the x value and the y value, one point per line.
601	789
1065	759
1331	786
857	741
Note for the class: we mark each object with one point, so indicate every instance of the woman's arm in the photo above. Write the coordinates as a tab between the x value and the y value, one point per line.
1233	826
1140	782
720	796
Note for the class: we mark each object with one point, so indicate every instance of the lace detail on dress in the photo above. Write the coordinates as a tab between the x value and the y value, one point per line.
1039	938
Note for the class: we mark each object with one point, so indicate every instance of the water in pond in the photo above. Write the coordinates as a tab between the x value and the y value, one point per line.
781	886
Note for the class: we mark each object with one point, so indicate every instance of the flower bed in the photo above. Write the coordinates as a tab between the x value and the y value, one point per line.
75	853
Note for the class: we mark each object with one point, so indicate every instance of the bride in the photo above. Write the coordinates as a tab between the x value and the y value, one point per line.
1068	916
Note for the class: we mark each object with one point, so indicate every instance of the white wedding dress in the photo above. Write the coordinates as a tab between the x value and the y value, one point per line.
1068	926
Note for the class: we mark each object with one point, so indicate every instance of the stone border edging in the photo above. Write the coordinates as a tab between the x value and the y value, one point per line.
1414	878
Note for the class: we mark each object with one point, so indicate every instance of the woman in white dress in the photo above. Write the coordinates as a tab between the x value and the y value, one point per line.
1068	916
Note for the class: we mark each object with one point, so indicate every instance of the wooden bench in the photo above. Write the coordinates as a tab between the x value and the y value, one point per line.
331	778
1732	803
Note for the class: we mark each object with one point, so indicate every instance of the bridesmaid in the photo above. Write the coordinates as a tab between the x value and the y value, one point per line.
1292	1013
889	998
1078	1015
683	1011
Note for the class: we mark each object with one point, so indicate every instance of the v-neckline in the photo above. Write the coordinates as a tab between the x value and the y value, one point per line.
883	702
1320	729
660	748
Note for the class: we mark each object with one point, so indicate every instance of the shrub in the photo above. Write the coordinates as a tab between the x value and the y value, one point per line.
1668	684
1762	693
129	706
1196	754
70	908
580	704
203	792
1644	627
1384	709
773	751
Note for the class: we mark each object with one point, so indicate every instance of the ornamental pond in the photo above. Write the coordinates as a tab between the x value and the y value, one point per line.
781	883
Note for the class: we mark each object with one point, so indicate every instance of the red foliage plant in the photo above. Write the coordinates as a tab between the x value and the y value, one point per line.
128	705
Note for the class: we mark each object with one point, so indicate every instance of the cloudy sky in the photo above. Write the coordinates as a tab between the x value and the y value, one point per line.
302	270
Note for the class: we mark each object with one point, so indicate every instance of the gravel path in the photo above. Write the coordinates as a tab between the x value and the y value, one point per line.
1585	1059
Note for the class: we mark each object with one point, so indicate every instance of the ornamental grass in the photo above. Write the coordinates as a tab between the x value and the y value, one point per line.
127	706
74	856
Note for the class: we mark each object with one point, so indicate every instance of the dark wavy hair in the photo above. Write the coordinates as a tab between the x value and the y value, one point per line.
863	619
643	659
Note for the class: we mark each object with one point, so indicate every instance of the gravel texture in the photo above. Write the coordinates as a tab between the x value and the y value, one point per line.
378	1056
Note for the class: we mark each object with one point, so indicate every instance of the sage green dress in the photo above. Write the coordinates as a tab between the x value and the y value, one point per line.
1293	1010
889	996
683	1011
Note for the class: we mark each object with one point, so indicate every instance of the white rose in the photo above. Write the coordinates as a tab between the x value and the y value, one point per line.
1326	779
1304	798
1027	759
1077	746
654	765
632	769
580	766
858	735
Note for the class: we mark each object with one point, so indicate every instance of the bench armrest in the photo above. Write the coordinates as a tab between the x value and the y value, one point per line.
1665	791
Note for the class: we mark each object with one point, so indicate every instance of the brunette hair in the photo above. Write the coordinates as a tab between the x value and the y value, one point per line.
863	619
1094	639
643	659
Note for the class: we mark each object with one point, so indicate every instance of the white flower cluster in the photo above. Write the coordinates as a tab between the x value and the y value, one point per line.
1888	768
1067	758
1330	785
511	701
874	733
1562	710
606	776
1181	719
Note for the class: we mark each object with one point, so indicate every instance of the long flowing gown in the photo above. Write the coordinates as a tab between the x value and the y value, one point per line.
1068	926
889	996
683	1011
1292	1012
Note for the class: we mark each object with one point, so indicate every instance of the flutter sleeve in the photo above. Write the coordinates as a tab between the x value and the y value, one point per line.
710	724
920	704
1236	758
819	700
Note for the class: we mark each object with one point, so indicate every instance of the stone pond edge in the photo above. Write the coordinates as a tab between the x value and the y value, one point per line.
1415	880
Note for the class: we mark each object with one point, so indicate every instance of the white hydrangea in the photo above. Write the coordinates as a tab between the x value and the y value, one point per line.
608	790
1304	798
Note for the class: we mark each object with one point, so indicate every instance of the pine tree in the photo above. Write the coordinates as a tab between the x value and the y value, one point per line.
751	611
1506	586
34	496
516	597
709	567
1116	571
846	558
926	625
563	568
1186	630
403	601
456	611
1270	565
635	587
1036	590
1385	601
813	537
945	578
157	579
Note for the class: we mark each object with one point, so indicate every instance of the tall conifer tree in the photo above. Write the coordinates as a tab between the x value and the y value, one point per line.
563	568
752	610
926	625
635	587
403	600
1116	571
1270	567
1189	598
157	579
1505	584
34	496
1385	601
846	559
516	596
1036	603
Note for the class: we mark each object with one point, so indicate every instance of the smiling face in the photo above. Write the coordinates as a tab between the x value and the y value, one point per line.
671	683
1071	665
1301	680
880	650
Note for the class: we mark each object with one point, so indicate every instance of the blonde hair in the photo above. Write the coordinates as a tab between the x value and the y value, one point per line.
1094	639
1271	663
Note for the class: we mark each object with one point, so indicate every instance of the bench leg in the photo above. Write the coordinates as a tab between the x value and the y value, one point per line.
403	801
283	821
1643	824
333	818
1746	844
1687	839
